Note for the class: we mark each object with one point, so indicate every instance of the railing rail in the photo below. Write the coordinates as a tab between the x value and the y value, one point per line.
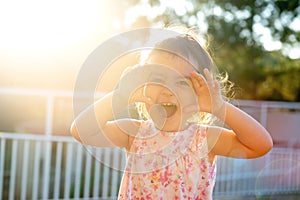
74	173
54	167
71	172
50	95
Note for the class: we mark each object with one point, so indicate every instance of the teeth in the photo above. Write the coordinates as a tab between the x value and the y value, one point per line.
168	104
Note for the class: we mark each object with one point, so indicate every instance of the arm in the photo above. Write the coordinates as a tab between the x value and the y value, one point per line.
95	127
246	139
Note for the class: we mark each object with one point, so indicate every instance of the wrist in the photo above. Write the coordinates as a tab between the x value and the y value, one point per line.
220	110
118	100
118	96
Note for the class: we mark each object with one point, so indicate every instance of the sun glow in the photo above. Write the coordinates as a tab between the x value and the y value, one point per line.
49	40
34	25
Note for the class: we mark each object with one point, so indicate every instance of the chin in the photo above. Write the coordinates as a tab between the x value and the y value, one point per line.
174	124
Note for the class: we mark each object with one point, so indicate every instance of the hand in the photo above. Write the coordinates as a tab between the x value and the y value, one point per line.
208	91
139	96
131	86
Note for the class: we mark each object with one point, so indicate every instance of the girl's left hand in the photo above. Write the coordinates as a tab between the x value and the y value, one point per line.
208	91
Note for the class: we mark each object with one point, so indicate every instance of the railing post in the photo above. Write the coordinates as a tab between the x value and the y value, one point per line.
87	175
263	114
36	169
78	172
2	158
46	170
48	146
97	173
12	181
106	175
49	115
57	177
68	171
25	169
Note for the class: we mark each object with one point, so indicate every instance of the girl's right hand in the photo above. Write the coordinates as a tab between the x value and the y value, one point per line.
208	91
139	96
132	82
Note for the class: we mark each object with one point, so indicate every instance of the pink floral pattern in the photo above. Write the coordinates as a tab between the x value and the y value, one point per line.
168	165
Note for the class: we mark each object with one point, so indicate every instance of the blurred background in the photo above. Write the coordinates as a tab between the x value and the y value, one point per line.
43	45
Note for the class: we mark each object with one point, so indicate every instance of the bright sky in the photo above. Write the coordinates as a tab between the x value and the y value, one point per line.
39	39
45	27
59	34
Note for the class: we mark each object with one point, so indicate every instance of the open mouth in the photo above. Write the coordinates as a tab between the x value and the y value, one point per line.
170	108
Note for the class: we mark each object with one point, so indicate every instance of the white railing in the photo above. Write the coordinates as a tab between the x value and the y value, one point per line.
276	173
55	167
260	109
73	173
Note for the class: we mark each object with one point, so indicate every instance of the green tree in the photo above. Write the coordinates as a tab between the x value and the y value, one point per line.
237	32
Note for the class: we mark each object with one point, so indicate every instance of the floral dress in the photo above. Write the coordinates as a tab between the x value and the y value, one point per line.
168	165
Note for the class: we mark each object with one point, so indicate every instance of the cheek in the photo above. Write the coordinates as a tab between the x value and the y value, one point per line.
187	96
153	91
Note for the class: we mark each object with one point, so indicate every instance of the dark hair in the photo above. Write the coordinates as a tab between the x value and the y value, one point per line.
188	48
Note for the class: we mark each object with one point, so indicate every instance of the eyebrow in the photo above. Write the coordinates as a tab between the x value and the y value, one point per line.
161	75
186	77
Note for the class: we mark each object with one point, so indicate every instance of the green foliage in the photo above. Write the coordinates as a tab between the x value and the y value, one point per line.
238	46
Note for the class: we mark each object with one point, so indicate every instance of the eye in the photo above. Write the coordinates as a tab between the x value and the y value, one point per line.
183	83
156	79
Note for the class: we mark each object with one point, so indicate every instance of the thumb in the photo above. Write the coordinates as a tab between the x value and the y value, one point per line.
139	96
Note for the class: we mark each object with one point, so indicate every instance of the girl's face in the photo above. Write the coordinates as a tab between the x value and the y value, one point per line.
171	91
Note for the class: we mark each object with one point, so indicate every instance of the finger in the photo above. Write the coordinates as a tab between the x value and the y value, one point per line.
198	82
140	96
144	99
147	100
217	84
208	77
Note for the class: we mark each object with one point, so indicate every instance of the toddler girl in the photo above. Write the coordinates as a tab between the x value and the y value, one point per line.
171	151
